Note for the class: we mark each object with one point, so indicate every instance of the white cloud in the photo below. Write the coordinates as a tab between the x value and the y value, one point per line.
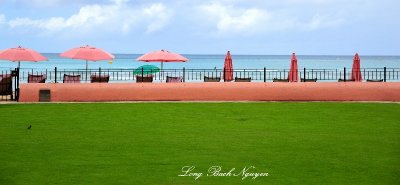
117	15
322	21
233	20
159	14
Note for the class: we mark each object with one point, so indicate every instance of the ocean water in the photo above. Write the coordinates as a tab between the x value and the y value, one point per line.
128	61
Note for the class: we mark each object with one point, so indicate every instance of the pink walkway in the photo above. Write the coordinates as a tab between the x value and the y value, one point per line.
252	91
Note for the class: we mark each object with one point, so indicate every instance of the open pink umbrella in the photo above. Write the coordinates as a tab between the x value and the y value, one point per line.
356	70
162	56
228	68
294	71
88	53
21	54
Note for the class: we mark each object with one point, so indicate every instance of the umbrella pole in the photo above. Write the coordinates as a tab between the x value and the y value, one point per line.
162	72
86	70
19	64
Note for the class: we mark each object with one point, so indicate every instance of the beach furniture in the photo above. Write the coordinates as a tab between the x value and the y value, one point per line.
21	54
72	78
146	70
212	79
309	80
99	78
171	79
228	68
349	80
368	80
140	79
356	71
5	84
280	80
162	56
294	71
88	53
242	79
36	78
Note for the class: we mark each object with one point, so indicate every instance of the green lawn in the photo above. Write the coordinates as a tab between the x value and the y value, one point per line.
149	143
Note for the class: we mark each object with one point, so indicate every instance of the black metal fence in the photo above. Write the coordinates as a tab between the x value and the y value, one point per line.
11	78
197	75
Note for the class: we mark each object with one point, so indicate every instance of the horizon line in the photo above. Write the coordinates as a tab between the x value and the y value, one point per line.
368	55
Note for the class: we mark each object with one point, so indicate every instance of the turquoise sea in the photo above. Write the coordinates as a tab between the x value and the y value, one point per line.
128	61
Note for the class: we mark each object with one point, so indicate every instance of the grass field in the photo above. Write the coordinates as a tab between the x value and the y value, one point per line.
149	143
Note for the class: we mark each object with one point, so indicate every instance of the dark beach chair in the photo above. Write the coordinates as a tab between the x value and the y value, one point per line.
381	80
280	80
212	79
6	84
72	78
99	78
171	79
36	78
309	80
349	80
140	79
242	79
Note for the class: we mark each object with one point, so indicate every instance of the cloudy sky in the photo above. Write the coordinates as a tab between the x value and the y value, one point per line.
322	27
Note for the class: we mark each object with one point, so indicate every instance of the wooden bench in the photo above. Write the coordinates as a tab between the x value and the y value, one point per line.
280	80
145	79
36	78
309	80
381	80
212	79
6	84
242	79
171	79
99	78
72	78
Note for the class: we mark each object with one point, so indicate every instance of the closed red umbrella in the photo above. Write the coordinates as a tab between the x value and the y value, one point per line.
356	70
162	56
21	54
88	53
294	71
228	68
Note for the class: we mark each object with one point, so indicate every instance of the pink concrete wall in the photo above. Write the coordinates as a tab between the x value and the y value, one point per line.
253	91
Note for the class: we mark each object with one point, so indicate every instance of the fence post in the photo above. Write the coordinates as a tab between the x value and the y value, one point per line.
142	73
14	90
384	74
336	75
55	75
223	74
280	75
265	74
312	73
304	75
344	74
17	89
183	78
